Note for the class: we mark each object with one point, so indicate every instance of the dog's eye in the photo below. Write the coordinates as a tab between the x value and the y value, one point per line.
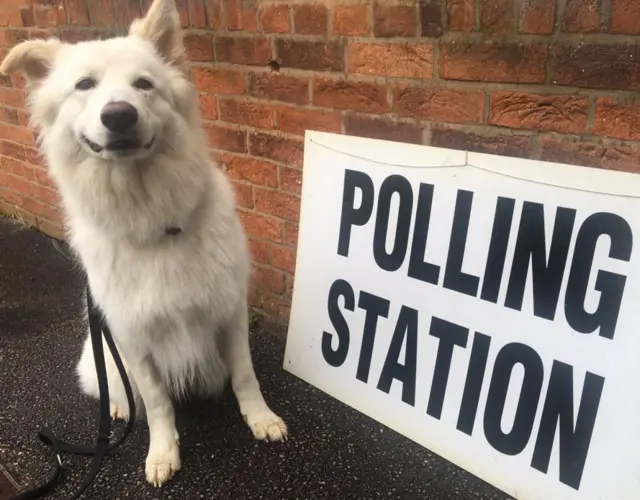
143	84
85	84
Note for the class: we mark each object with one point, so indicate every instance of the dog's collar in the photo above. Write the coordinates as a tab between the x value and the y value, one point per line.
172	231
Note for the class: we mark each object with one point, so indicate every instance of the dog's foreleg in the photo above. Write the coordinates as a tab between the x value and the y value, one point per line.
263	422
163	458
86	370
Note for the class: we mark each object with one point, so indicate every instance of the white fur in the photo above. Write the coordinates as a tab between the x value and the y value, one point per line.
175	304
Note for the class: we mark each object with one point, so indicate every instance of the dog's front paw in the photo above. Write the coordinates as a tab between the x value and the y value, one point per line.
119	412
162	462
266	425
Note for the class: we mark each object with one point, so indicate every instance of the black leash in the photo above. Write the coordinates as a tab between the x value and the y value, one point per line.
98	329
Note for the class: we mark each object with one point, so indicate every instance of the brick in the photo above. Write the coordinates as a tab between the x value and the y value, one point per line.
290	180
27	17
291	233
590	154
277	308
253	170
281	149
226	138
250	19
126	11
243	194
50	17
78	12
13	97
612	66
214	10
41	33
235	18
393	59
439	104
101	14
34	157
10	196
11	16
13	166
537	17
208	106
54	230
15	36
45	195
495	16
29	172
461	14
183	11
625	16
18	184
39	175
617	119
393	20
581	16
198	47
350	94
493	62
17	134
283	258
6	40
382	128
9	115
351	20
431	15
246	50
262	226
197	14
12	150
72	35
548	113
254	297
222	81
310	19
315	56
245	112
275	19
269	279
259	251
279	87
497	143
297	120
277	203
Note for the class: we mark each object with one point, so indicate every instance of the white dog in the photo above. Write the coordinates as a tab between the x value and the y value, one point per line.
152	220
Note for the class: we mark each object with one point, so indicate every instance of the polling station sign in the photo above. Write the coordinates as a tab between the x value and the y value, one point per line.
487	308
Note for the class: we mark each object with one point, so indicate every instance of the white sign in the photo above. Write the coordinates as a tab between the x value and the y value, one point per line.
484	307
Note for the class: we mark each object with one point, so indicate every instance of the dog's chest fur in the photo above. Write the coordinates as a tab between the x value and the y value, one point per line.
168	294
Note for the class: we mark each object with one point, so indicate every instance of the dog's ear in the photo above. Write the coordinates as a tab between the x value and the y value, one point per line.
161	26
34	57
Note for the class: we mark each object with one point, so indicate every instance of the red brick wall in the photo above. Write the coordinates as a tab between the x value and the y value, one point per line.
544	79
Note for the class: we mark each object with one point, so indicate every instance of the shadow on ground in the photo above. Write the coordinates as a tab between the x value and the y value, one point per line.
334	452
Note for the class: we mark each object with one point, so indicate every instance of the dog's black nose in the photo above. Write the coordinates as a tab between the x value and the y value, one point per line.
119	116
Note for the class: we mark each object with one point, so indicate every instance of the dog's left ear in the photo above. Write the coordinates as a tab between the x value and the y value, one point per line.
161	26
34	57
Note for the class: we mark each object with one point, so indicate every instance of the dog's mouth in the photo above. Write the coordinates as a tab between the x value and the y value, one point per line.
118	145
